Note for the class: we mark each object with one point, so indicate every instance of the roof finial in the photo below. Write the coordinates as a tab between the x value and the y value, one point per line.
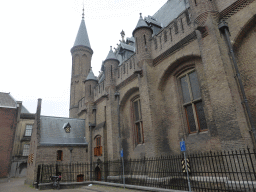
111	48
83	11
140	15
122	35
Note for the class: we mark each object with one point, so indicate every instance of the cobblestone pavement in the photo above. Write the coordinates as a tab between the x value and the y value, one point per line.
17	185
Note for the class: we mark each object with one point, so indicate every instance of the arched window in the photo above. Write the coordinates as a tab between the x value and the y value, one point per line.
137	121
98	148
192	102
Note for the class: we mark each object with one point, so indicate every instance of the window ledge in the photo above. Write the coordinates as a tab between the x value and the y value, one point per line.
198	133
26	138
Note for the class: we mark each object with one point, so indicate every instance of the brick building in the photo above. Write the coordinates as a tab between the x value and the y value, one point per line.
55	140
9	113
188	72
15	129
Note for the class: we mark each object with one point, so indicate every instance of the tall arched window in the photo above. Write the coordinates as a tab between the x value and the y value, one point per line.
98	148
192	102
137	121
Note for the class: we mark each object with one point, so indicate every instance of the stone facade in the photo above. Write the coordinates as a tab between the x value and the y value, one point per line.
190	44
21	144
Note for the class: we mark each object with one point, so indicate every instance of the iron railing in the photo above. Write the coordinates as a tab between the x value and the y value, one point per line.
212	171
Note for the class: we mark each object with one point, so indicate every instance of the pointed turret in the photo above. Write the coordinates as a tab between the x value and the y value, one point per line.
141	24
91	76
81	68
82	36
111	55
110	65
89	84
142	34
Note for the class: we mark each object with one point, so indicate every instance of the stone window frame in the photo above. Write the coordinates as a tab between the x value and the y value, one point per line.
25	151
28	130
138	133
192	103
59	155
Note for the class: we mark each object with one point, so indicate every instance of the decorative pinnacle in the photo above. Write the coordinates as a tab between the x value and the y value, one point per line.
122	35
83	11
110	47
140	15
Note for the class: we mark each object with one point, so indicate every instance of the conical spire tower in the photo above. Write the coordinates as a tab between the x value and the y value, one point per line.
82	38
81	65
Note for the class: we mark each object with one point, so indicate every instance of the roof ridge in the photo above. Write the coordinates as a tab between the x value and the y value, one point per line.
62	117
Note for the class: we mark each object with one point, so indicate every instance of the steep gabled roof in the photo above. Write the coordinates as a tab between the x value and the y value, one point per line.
53	134
82	36
6	100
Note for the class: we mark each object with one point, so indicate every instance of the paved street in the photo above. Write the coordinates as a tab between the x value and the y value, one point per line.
17	185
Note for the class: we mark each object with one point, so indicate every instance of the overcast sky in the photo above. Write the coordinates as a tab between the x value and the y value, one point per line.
36	37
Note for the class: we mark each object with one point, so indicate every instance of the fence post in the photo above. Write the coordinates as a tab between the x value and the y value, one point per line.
252	162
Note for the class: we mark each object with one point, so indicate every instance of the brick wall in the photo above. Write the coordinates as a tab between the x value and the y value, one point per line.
7	131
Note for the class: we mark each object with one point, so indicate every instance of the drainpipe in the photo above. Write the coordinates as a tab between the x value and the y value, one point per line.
90	128
223	27
117	96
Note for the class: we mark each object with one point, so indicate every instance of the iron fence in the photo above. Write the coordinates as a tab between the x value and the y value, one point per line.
212	171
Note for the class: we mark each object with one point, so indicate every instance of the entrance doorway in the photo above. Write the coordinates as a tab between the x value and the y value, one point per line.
97	174
80	178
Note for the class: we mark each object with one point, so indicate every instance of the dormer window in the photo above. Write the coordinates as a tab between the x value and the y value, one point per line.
67	127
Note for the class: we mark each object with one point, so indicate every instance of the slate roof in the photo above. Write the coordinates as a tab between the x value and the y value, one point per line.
91	76
130	39
111	55
102	77
24	109
6	100
152	20
82	36
127	47
141	23
53	134
169	11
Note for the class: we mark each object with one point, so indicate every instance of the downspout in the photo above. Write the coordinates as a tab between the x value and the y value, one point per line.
117	96
90	128
223	27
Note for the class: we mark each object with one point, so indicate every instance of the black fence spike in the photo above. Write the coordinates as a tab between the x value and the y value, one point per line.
168	171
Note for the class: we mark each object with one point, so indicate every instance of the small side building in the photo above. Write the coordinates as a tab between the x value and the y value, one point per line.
55	140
